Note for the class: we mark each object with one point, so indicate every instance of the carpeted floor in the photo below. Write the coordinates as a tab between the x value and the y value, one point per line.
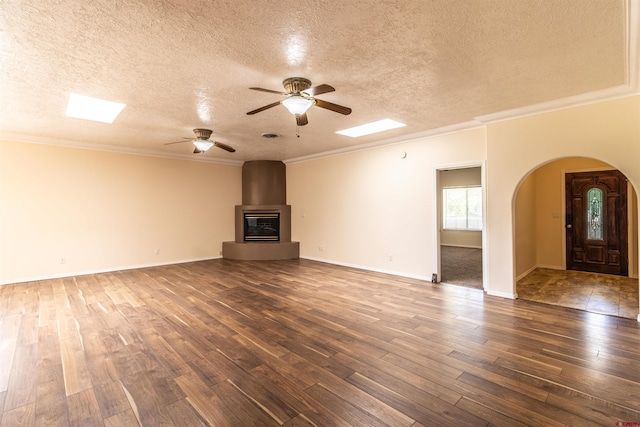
461	266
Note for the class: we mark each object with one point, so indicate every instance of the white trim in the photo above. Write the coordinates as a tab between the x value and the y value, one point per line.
16	137
526	273
366	268
485	248
551	267
588	98
462	246
632	45
446	130
501	294
107	270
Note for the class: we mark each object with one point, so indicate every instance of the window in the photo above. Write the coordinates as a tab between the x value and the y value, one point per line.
594	214
462	208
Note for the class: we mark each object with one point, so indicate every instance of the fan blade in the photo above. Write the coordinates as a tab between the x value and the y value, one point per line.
196	151
224	146
268	90
333	107
317	90
266	107
301	120
180	142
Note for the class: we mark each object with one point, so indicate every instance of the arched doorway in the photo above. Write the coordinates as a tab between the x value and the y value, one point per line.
543	223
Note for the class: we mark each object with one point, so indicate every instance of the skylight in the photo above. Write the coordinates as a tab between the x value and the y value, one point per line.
98	110
369	128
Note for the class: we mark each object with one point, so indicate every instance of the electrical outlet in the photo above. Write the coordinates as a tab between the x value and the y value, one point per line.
321	248
390	257
157	252
63	260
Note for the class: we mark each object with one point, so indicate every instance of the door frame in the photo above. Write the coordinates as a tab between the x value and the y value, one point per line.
438	206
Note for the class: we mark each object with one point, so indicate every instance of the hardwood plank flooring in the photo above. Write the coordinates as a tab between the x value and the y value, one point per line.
303	343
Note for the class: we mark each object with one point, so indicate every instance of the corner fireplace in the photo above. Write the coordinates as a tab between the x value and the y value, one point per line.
263	221
261	226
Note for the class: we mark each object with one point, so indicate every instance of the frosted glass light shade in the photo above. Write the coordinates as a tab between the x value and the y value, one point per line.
202	144
297	104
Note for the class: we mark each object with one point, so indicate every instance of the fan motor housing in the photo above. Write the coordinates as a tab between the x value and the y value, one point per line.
296	84
202	133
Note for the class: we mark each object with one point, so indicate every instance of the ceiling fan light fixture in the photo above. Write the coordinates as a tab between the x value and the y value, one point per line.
298	104
203	144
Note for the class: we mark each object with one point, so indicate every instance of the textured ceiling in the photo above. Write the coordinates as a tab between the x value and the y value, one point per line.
184	64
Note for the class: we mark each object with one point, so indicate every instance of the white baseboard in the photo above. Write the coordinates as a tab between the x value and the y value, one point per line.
501	294
526	273
550	267
377	270
461	246
106	270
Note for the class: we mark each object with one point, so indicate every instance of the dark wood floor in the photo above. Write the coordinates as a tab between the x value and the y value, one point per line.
300	343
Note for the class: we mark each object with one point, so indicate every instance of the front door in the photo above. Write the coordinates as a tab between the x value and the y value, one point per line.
596	214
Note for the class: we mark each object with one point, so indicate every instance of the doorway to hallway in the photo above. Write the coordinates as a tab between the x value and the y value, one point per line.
460	212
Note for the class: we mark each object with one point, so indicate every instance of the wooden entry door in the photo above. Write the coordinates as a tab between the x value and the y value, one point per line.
596	214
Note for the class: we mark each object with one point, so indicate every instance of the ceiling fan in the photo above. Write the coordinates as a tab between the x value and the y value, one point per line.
299	97
202	142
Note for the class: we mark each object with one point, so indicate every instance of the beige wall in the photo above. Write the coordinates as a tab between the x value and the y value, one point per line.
608	131
105	211
461	177
525	226
360	208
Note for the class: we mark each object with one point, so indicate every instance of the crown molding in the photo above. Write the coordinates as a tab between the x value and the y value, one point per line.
390	141
17	137
557	104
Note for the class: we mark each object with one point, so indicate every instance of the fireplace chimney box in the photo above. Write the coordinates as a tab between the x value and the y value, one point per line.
264	182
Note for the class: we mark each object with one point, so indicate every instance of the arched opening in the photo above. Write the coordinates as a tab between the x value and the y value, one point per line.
550	266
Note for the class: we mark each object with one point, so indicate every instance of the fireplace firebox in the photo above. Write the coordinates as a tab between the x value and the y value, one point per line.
261	226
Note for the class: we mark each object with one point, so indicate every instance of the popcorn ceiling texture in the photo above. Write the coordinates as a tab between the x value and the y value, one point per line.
179	65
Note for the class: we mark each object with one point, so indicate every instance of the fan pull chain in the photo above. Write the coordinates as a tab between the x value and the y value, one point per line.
297	130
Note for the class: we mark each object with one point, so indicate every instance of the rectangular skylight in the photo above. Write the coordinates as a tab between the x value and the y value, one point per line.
369	128
98	110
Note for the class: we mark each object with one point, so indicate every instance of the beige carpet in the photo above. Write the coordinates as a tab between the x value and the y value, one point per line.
461	266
